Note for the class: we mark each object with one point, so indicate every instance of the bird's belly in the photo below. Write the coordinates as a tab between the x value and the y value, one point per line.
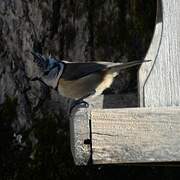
97	82
81	87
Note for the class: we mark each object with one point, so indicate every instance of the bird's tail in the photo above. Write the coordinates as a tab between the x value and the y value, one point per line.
121	66
115	68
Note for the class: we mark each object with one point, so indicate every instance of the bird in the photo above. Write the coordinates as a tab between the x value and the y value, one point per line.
78	80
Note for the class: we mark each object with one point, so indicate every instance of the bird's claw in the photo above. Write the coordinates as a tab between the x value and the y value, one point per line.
81	103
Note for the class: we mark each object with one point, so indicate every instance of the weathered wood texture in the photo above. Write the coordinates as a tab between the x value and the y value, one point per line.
80	123
133	135
79	133
159	81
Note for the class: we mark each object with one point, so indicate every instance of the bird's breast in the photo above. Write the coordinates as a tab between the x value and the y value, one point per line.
76	89
97	82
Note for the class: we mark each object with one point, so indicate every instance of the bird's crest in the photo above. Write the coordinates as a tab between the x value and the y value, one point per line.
50	68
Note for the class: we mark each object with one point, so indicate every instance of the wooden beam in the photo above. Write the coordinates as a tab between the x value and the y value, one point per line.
159	81
80	123
146	68
135	135
79	135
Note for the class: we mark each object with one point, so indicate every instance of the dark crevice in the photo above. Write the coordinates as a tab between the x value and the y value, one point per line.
123	35
56	16
44	96
91	13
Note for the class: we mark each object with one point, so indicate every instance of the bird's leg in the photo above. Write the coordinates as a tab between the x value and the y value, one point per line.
81	101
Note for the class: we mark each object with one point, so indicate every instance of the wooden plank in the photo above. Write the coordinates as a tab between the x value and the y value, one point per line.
159	81
79	133
146	68
135	135
79	123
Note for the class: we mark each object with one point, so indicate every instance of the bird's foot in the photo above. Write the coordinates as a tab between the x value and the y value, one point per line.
81	103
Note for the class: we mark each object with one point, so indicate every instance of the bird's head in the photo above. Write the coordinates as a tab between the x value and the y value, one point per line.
51	69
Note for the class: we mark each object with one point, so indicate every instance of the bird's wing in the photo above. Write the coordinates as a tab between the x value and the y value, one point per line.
73	71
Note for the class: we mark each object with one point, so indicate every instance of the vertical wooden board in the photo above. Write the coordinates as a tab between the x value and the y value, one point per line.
79	133
135	135
146	68
161	87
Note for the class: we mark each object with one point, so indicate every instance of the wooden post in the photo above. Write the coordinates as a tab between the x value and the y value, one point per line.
146	69
80	124
150	133
159	81
80	135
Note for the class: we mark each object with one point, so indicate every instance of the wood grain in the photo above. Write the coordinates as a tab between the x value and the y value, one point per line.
79	132
161	86
80	123
135	135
